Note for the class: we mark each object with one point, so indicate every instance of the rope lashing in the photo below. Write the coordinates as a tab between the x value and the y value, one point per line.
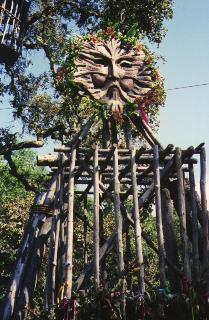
41	209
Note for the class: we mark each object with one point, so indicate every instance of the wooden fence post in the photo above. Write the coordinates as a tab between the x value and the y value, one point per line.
96	219
182	214
137	225
70	220
205	268
195	249
159	225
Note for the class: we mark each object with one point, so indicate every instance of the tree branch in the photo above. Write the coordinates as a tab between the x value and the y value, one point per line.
16	174
21	145
51	10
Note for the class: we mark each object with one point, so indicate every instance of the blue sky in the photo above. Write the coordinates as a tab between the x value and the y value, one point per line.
185	119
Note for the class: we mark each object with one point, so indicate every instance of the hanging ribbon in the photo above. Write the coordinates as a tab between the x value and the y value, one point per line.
60	295
67	309
186	284
142	113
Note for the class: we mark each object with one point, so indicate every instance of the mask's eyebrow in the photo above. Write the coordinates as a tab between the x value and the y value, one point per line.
126	58
97	50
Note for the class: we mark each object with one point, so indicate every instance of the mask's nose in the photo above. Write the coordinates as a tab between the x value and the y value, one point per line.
115	71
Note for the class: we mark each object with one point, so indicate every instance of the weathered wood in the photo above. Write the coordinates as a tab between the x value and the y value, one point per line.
53	160
182	214
24	253
102	168
110	241
159	226
80	136
195	250
128	134
59	211
205	267
151	134
49	294
96	220
146	130
118	217
137	225
171	247
70	218
90	267
85	248
30	242
105	133
119	226
33	267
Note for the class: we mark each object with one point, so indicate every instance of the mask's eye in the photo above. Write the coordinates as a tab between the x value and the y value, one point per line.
125	64
98	80
101	62
127	84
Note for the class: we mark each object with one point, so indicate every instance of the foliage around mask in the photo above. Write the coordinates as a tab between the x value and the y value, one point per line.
65	78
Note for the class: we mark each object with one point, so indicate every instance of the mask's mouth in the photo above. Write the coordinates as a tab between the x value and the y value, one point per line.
116	109
116	106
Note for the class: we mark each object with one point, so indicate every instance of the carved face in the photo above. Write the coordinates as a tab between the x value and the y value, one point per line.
113	73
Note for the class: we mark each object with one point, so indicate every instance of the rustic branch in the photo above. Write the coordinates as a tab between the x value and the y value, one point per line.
52	9
16	174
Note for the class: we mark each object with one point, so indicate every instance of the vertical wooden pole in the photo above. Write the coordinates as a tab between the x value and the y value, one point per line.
137	225
70	218
105	133
159	225
2	12
118	216
118	223
171	247
128	133
6	26
182	214
195	249
49	282
96	219
85	249
24	254
205	216
59	210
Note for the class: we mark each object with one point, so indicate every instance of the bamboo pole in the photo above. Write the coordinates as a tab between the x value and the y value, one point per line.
182	214
159	225
70	218
195	249
205	268
137	225
96	219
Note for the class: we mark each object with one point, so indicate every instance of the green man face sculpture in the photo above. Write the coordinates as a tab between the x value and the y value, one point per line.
112	73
